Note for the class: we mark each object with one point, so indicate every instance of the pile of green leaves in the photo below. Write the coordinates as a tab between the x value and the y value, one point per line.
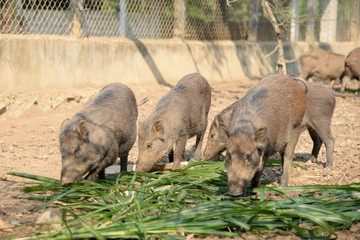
192	200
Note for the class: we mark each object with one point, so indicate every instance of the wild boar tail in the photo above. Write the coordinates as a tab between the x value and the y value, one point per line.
292	60
299	79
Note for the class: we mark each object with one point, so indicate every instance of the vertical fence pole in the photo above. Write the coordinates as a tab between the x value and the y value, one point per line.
253	20
179	19
123	21
354	22
328	21
294	25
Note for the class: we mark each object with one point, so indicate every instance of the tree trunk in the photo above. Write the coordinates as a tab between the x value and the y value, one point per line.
77	11
310	25
179	19
280	65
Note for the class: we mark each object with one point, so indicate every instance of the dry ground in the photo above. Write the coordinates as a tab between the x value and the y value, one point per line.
29	132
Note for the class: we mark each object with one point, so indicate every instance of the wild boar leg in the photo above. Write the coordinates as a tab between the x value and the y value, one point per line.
199	140
287	157
329	145
178	152
123	163
255	182
329	141
316	143
103	164
344	80
332	82
91	175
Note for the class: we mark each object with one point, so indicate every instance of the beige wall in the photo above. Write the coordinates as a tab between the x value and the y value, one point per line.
30	63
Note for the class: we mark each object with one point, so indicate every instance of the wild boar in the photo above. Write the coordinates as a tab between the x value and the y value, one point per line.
352	64
218	133
265	121
102	130
324	65
317	119
179	115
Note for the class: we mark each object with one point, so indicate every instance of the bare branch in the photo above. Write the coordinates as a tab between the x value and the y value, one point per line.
280	65
228	2
273	51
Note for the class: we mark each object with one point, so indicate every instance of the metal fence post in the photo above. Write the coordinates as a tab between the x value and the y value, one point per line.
123	21
354	22
179	19
294	25
253	20
328	21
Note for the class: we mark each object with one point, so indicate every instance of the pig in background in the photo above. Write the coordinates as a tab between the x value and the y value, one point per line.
325	65
352	65
265	121
179	115
102	130
317	120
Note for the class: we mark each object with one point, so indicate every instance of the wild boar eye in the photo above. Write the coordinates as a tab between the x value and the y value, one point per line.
248	158
212	135
148	145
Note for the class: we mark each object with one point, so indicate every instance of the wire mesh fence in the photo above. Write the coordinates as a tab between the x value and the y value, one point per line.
145	19
153	19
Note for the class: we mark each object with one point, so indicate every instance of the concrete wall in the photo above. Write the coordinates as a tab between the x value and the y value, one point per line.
30	63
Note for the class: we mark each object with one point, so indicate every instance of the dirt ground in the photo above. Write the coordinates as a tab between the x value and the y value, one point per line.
29	130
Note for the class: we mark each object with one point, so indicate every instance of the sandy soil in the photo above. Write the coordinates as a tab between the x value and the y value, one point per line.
29	131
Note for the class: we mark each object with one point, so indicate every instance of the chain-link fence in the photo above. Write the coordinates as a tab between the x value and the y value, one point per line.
146	19
152	19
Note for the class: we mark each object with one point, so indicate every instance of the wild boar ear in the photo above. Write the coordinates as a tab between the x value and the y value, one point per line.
83	129
218	120
225	129
63	124
260	134
158	128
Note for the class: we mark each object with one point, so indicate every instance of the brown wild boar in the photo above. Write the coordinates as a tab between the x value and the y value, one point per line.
324	65
352	64
102	130
179	115
265	121
317	120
